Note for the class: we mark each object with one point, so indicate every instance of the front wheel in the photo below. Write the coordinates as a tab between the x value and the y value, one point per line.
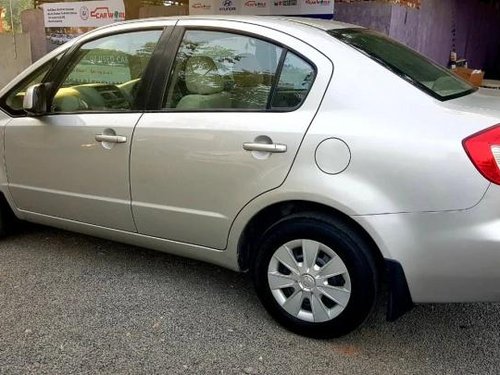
316	276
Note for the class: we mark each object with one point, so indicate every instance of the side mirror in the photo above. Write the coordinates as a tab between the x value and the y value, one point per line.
35	100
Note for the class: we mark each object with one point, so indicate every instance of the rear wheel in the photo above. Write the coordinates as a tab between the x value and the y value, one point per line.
316	276
8	221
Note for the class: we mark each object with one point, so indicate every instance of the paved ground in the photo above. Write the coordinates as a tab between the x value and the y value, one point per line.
73	304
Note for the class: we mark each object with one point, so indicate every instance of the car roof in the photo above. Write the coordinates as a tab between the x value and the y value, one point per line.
316	23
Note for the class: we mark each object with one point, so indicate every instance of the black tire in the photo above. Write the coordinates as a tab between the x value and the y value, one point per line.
353	250
8	221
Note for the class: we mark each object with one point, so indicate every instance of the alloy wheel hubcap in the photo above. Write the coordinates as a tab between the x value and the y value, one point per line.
309	280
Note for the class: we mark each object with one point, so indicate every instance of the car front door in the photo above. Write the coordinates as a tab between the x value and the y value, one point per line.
73	162
231	121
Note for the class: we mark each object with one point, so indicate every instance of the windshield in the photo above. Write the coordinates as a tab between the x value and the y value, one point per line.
408	64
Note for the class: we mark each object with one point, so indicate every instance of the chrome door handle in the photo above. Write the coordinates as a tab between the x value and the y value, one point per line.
110	138
264	147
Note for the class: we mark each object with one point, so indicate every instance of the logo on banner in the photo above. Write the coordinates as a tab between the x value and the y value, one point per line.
285	3
255	4
84	13
227	6
106	13
201	6
318	2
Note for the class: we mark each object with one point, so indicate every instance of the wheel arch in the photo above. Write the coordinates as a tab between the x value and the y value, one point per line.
398	297
272	213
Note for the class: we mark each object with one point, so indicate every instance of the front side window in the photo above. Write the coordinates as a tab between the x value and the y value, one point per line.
410	65
105	74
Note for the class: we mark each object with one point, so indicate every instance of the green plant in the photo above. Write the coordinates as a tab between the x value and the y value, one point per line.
13	17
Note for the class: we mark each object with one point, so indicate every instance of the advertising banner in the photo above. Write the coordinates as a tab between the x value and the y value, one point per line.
262	7
64	21
83	14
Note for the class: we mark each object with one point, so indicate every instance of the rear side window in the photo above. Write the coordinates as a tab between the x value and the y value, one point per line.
294	84
408	64
224	71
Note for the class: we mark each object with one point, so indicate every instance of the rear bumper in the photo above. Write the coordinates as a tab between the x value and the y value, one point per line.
449	256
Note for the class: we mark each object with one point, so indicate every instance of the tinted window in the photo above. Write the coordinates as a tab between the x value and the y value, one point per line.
218	70
295	81
106	73
410	65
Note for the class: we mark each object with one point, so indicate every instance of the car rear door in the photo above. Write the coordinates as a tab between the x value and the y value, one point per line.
226	129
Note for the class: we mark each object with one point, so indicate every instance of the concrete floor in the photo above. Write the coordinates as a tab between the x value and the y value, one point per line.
74	304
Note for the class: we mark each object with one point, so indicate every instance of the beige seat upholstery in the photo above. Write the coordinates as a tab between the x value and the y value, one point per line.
205	86
249	91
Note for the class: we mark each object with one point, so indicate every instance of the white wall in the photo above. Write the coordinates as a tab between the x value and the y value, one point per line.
15	56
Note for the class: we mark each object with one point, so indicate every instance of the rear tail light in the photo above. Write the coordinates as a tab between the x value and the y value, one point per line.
483	149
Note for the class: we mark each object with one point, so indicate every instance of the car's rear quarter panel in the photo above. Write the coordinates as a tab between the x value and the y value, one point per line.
406	150
450	256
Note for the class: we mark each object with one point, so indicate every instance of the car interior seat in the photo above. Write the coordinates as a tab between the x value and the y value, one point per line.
205	85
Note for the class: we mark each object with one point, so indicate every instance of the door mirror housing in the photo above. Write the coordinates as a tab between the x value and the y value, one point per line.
35	100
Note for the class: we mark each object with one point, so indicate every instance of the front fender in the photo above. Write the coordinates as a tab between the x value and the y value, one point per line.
4	188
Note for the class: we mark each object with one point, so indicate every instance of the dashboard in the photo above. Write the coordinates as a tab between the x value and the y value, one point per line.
95	97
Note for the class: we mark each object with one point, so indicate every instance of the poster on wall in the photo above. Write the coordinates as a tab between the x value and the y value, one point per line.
408	3
262	7
64	21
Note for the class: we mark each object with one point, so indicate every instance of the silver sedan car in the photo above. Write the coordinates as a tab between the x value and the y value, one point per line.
322	157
